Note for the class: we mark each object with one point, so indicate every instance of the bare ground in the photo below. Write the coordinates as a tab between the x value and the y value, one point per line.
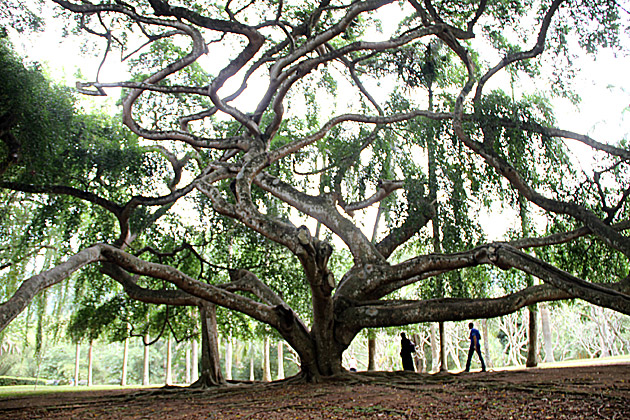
593	392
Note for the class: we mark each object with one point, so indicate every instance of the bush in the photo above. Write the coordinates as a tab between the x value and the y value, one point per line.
12	380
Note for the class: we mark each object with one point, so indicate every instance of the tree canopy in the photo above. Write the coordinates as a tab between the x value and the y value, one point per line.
263	136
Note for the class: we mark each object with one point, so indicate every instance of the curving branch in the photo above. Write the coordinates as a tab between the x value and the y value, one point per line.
523	55
35	284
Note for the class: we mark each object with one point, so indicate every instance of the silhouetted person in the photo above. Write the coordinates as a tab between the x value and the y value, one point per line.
475	346
407	348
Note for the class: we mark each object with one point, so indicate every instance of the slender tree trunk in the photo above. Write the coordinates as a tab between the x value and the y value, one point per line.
187	366
435	348
371	350
532	347
604	331
145	371
280	360
90	361
123	376
252	377
532	334
266	362
168	376
419	355
76	364
546	330
210	364
443	359
486	343
195	361
228	358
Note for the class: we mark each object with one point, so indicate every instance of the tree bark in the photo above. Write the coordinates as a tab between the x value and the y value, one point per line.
168	373
419	354
195	361
252	377
77	354
145	370
435	348
123	375
280	360
532	346
210	363
546	330
266	362
371	350
228	358
486	343
443	359
90	362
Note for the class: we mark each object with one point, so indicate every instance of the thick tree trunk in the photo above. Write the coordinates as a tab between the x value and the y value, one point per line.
546	330
145	370
210	364
371	350
532	347
77	355
228	358
266	361
443	359
123	375
280	360
90	362
168	374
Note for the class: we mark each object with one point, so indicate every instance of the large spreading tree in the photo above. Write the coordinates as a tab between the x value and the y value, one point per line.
300	120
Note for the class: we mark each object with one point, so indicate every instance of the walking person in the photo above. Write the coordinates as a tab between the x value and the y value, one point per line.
407	348
475	346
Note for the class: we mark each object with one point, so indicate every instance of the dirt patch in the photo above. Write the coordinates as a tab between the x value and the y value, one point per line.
594	392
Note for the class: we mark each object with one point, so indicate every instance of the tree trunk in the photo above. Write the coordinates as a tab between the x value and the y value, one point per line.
145	371
123	376
443	360
168	375
532	347
210	364
419	355
228	358
435	348
90	360
546	330
266	362
76	364
604	331
486	343
195	361
252	377
280	360
187	379
371	350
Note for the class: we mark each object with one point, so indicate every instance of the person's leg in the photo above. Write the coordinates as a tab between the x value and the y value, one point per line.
470	353
483	364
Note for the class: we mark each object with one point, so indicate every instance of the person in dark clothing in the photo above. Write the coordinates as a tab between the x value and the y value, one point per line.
475	346
407	348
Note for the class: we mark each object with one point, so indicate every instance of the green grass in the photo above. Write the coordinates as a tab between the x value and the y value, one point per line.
570	363
19	390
